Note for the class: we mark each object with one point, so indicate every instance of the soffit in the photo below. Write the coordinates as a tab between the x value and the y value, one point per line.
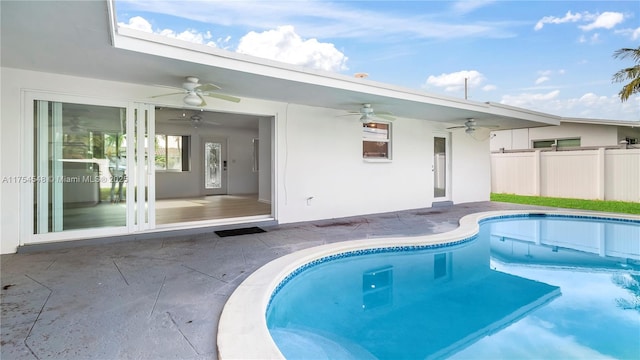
74	38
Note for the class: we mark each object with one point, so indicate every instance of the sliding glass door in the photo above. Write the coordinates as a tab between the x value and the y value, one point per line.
90	168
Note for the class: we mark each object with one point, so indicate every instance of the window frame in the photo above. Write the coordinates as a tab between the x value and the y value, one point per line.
555	142
388	140
185	153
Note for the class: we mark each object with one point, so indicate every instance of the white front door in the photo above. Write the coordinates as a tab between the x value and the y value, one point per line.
215	166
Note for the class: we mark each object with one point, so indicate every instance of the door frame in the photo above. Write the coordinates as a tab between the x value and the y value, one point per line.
134	222
447	136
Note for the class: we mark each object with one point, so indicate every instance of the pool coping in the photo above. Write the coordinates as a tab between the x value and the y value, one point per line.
242	329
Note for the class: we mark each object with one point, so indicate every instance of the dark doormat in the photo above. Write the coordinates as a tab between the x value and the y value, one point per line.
242	231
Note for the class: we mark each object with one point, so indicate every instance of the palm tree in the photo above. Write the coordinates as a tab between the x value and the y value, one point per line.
630	73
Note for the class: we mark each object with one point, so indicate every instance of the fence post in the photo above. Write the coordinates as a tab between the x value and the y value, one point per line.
536	173
600	175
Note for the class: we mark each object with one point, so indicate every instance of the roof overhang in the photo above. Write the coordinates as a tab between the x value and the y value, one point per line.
83	39
622	123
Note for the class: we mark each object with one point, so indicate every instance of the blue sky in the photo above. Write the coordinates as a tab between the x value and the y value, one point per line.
549	56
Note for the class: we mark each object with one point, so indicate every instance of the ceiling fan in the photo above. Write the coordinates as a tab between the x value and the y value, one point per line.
470	126
195	120
195	92
367	114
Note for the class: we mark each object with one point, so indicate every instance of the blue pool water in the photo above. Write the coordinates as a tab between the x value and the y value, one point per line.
524	287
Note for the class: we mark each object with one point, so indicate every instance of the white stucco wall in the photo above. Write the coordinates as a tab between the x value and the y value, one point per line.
471	169
316	154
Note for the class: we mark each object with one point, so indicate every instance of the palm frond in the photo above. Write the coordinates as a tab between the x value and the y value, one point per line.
631	74
627	52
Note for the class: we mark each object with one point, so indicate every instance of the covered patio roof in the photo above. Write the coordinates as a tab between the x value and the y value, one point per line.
81	38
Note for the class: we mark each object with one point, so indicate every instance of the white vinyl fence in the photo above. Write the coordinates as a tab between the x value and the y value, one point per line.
603	174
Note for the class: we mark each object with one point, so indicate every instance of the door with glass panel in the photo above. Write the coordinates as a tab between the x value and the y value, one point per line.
440	167
89	164
215	166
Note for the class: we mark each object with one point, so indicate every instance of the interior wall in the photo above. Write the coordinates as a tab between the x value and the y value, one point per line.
241	179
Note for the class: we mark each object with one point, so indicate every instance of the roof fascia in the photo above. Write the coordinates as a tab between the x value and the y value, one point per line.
524	114
623	123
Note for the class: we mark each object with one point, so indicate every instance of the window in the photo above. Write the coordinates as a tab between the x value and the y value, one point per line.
376	140
172	153
439	265
377	288
560	143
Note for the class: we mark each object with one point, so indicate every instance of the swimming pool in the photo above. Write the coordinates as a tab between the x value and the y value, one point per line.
475	298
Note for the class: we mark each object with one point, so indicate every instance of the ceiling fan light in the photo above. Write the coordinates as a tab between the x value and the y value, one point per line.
193	100
469	130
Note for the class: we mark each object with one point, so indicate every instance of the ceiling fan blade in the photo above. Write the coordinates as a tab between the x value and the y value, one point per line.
204	103
208	87
207	122
177	93
223	97
456	127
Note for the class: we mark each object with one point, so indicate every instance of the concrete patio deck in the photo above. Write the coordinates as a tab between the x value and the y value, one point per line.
161	298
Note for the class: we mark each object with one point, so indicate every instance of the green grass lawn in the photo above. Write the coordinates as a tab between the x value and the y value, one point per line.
597	205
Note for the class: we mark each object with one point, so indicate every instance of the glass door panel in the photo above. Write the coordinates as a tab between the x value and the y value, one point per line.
80	166
439	167
142	208
215	167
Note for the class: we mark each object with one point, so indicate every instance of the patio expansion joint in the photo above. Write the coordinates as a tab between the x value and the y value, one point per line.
205	274
183	334
120	271
50	265
26	338
158	296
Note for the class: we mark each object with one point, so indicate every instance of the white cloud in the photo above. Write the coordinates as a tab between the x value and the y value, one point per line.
568	17
189	35
140	23
529	100
545	75
633	34
455	81
593	39
541	80
588	105
284	44
467	6
489	87
606	20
